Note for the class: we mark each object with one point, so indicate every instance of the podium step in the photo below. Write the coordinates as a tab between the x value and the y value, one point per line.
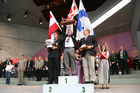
67	88
68	80
68	84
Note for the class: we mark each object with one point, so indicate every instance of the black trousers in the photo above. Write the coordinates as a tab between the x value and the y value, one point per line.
29	72
124	66
53	69
136	63
114	69
38	74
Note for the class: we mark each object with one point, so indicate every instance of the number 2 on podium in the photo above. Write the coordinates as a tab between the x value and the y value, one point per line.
66	80
83	89
50	89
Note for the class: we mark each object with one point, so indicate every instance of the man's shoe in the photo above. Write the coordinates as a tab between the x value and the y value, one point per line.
86	82
92	82
19	84
107	87
49	83
103	88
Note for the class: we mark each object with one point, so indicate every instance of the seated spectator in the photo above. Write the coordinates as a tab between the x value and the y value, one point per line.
29	67
135	57
113	62
45	67
1	68
38	67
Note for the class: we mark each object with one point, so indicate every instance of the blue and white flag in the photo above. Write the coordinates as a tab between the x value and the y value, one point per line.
83	22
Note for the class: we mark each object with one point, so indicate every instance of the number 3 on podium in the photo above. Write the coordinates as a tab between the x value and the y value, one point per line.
83	90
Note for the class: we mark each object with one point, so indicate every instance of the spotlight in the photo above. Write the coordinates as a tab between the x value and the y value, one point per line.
5	1
40	22
26	14
9	18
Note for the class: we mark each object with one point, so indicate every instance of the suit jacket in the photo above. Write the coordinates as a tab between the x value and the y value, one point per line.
31	63
91	40
73	36
22	65
125	55
56	52
113	58
39	64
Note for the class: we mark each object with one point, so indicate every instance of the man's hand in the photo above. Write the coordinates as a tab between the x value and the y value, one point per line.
89	47
54	47
77	51
113	62
81	49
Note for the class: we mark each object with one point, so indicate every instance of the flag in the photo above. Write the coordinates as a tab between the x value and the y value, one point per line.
53	26
83	22
73	12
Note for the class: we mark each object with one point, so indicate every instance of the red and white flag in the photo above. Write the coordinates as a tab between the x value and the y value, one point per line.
53	25
73	11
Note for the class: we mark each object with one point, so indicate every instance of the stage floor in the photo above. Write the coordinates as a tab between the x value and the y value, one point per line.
38	89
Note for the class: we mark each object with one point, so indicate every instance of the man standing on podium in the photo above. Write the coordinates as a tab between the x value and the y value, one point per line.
88	44
54	59
69	47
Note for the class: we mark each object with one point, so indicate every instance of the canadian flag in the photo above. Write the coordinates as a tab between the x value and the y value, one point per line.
53	25
73	11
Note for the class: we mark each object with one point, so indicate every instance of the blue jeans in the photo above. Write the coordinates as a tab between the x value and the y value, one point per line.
8	75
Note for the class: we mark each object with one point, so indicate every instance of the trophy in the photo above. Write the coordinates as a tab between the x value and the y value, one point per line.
49	43
67	21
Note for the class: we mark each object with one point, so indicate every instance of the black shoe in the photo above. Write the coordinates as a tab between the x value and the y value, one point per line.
19	84
103	88
49	83
66	75
92	82
86	82
107	87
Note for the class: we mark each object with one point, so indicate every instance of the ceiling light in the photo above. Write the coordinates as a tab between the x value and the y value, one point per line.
109	13
9	18
26	14
5	1
40	22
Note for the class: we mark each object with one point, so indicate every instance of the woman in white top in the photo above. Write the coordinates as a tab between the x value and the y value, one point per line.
8	69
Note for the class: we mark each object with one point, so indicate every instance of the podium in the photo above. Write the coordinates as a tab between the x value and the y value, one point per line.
68	84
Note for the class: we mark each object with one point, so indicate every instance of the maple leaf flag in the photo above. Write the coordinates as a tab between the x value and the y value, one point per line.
73	12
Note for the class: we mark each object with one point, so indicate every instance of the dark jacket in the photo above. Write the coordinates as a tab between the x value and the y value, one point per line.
73	36
125	55
91	40
30	64
113	58
56	52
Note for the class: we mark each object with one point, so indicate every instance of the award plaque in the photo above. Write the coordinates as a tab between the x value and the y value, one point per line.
49	43
67	22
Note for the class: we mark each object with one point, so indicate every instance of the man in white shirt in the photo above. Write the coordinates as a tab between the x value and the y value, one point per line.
69	47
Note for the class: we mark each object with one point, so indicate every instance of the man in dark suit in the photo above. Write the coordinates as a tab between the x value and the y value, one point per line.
29	67
54	59
88	44
114	62
69	47
9	60
123	58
